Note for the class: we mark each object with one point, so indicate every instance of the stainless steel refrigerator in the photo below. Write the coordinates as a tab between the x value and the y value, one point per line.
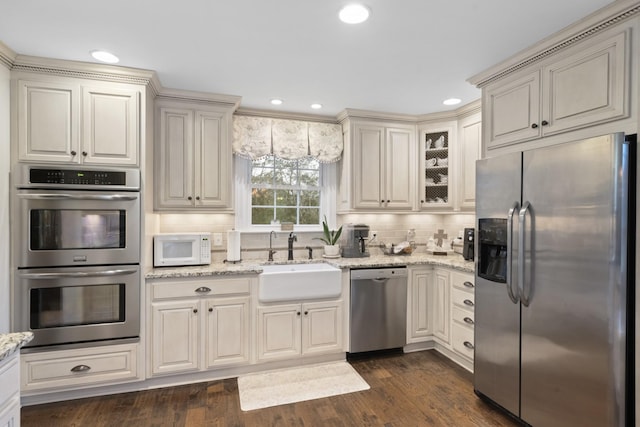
554	287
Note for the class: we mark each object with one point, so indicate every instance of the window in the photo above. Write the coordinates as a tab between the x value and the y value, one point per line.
285	191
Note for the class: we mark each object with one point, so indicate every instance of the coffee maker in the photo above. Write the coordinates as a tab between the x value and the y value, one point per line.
353	242
468	242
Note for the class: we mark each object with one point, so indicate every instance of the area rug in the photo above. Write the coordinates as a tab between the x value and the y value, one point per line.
262	390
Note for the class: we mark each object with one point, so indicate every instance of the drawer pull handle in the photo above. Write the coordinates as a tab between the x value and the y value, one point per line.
203	289
468	345
468	284
468	320
468	302
80	368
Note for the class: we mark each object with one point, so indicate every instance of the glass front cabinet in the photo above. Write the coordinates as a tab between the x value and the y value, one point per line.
436	168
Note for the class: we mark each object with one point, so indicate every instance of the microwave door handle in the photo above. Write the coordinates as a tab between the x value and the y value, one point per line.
62	196
512	296
524	297
119	272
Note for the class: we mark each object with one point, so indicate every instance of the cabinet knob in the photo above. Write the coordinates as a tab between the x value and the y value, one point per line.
84	153
197	197
195	310
421	201
534	126
468	302
468	345
80	368
189	198
73	152
306	312
298	313
388	201
382	201
210	309
544	123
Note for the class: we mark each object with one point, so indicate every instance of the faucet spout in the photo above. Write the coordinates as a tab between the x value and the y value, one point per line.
292	238
271	251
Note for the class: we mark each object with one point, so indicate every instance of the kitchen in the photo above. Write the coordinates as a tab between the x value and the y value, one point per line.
353	202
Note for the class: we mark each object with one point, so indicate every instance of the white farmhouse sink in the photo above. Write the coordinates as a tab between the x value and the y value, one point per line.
288	282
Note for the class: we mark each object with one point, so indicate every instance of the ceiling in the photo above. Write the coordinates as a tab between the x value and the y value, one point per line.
407	58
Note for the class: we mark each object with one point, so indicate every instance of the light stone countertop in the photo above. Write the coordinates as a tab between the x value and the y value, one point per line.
453	260
12	342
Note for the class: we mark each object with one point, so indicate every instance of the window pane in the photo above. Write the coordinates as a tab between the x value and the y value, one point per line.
286	198
287	175
261	215
309	163
286	215
309	198
261	175
262	197
309	178
310	216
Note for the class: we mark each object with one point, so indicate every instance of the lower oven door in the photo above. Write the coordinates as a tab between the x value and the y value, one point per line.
78	304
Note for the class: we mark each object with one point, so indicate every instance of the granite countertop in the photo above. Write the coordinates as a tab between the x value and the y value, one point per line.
10	343
454	261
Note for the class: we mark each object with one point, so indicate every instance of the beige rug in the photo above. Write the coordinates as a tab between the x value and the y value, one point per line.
262	390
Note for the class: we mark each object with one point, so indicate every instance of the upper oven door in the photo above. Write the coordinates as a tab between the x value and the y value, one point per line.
76	228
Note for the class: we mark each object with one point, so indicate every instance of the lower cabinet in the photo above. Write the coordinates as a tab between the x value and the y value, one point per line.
462	306
10	391
199	324
420	315
291	330
441	306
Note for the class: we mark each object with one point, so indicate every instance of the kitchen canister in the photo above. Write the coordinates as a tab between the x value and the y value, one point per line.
233	246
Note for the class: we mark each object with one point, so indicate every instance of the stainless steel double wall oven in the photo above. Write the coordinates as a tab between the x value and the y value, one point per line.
76	253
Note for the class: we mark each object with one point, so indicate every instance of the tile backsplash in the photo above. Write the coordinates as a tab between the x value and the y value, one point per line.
391	228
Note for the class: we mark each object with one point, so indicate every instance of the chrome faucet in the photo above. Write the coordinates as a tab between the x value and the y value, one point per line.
292	238
271	251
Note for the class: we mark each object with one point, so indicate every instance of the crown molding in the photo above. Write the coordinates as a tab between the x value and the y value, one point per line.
352	113
227	101
600	20
7	56
285	115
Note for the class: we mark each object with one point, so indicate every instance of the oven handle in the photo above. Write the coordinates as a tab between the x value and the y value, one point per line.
107	197
119	272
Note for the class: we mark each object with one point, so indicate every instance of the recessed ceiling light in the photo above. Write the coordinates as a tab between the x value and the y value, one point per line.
354	14
104	56
276	101
316	106
452	101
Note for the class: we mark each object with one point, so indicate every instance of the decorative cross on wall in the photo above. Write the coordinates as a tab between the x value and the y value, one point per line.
439	236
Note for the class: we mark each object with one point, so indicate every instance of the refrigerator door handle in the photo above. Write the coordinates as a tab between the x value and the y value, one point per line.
524	296
512	296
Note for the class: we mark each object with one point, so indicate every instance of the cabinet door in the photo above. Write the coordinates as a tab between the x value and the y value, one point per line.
174	168
468	149
110	126
421	317
399	169
369	167
587	87
227	331
441	312
10	414
47	121
279	335
212	160
322	327
175	336
513	110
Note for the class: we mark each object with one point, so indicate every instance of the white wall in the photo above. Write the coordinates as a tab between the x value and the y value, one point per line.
5	269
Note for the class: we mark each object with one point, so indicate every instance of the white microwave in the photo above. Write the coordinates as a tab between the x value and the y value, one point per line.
181	249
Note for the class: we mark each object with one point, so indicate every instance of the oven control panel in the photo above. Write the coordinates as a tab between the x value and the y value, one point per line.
76	177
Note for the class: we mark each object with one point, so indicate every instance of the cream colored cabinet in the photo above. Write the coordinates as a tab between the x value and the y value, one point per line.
10	391
462	309
441	307
78	368
70	121
383	167
199	324
436	165
420	313
468	149
291	330
193	157
585	86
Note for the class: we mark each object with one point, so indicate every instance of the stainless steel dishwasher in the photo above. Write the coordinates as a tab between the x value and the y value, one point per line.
378	309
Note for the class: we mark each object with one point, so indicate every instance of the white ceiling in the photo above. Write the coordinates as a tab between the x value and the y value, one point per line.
407	58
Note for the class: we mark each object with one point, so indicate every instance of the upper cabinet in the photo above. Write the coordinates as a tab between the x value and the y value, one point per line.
578	83
468	149
193	156
382	166
435	166
78	122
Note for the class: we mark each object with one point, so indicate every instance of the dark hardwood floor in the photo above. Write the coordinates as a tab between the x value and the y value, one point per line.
415	389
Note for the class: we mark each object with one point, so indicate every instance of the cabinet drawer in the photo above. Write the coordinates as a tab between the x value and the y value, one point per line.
462	298
463	281
79	367
191	288
462	340
464	317
9	378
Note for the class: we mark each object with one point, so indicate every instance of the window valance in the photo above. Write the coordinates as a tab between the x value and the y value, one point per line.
255	137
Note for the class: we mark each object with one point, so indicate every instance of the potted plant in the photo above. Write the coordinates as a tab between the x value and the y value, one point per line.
330	239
